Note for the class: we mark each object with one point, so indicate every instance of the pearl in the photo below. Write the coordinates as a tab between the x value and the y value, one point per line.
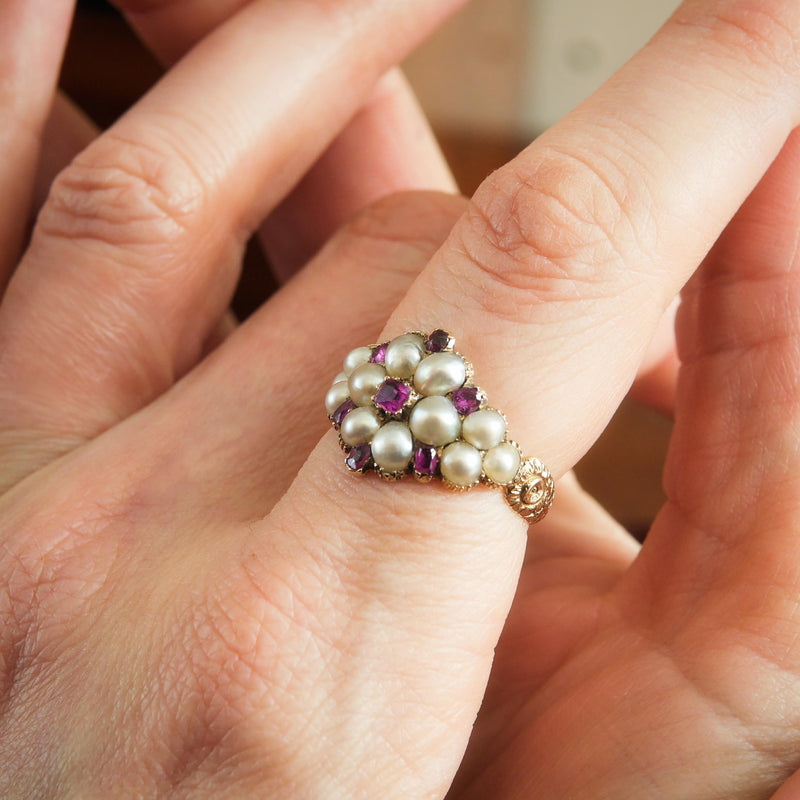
435	421
359	426
364	382
440	373
403	354
392	447
484	429
461	464
501	463
340	377
355	358
337	394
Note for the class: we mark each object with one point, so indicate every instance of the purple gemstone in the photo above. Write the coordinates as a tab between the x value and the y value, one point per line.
379	354
392	396
466	400
359	457
343	410
426	460
437	341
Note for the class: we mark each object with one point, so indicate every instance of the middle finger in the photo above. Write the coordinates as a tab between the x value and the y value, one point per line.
137	250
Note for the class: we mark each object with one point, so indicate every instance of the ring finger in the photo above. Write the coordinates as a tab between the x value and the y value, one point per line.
553	284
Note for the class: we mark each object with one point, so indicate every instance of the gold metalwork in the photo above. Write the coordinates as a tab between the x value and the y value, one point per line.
531	493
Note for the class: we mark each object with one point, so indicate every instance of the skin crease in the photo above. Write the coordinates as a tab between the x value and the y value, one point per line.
199	602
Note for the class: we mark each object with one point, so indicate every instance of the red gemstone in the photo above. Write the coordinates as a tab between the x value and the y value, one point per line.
466	400
341	412
379	354
438	341
358	459
392	396
426	461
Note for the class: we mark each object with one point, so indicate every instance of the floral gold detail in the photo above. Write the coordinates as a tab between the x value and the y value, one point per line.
532	490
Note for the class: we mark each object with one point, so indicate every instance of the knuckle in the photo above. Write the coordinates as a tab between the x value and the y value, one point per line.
237	654
123	192
55	569
556	232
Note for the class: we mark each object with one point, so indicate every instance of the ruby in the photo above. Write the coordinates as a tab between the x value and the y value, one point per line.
466	400
426	461
358	459
379	354
438	341
392	396
343	410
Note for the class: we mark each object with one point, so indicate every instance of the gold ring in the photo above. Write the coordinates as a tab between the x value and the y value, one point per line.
411	407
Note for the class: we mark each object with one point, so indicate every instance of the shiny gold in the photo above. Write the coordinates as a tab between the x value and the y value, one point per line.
531	493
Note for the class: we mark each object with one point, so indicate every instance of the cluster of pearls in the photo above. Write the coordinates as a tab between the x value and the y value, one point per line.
409	406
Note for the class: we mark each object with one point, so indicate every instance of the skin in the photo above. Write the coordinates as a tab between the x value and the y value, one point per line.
199	601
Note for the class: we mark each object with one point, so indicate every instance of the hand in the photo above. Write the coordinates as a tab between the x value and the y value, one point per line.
200	601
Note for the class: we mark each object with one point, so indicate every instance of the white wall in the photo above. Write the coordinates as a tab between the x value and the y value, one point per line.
514	67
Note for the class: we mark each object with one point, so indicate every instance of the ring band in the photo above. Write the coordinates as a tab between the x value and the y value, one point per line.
410	407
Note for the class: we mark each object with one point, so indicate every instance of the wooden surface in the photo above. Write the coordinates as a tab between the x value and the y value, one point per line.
106	69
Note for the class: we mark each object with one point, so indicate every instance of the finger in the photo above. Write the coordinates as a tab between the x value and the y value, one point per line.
656	381
577	530
67	132
553	285
656	388
254	442
790	790
138	248
172	27
734	453
32	38
225	327
387	147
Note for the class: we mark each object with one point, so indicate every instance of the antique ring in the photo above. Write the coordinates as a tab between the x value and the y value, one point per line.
410	407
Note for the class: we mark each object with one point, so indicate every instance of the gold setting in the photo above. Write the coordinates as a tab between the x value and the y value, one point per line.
530	493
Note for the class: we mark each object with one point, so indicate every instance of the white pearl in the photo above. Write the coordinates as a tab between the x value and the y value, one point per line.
340	377
403	354
501	463
364	382
434	421
440	373
355	358
337	394
461	464
359	426
392	447
484	429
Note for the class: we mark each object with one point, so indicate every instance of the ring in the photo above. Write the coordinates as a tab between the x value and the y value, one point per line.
410	407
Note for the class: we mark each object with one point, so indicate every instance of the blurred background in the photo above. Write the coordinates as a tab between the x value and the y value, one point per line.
491	80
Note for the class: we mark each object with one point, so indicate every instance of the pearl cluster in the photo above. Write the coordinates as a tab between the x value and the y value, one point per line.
409	407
